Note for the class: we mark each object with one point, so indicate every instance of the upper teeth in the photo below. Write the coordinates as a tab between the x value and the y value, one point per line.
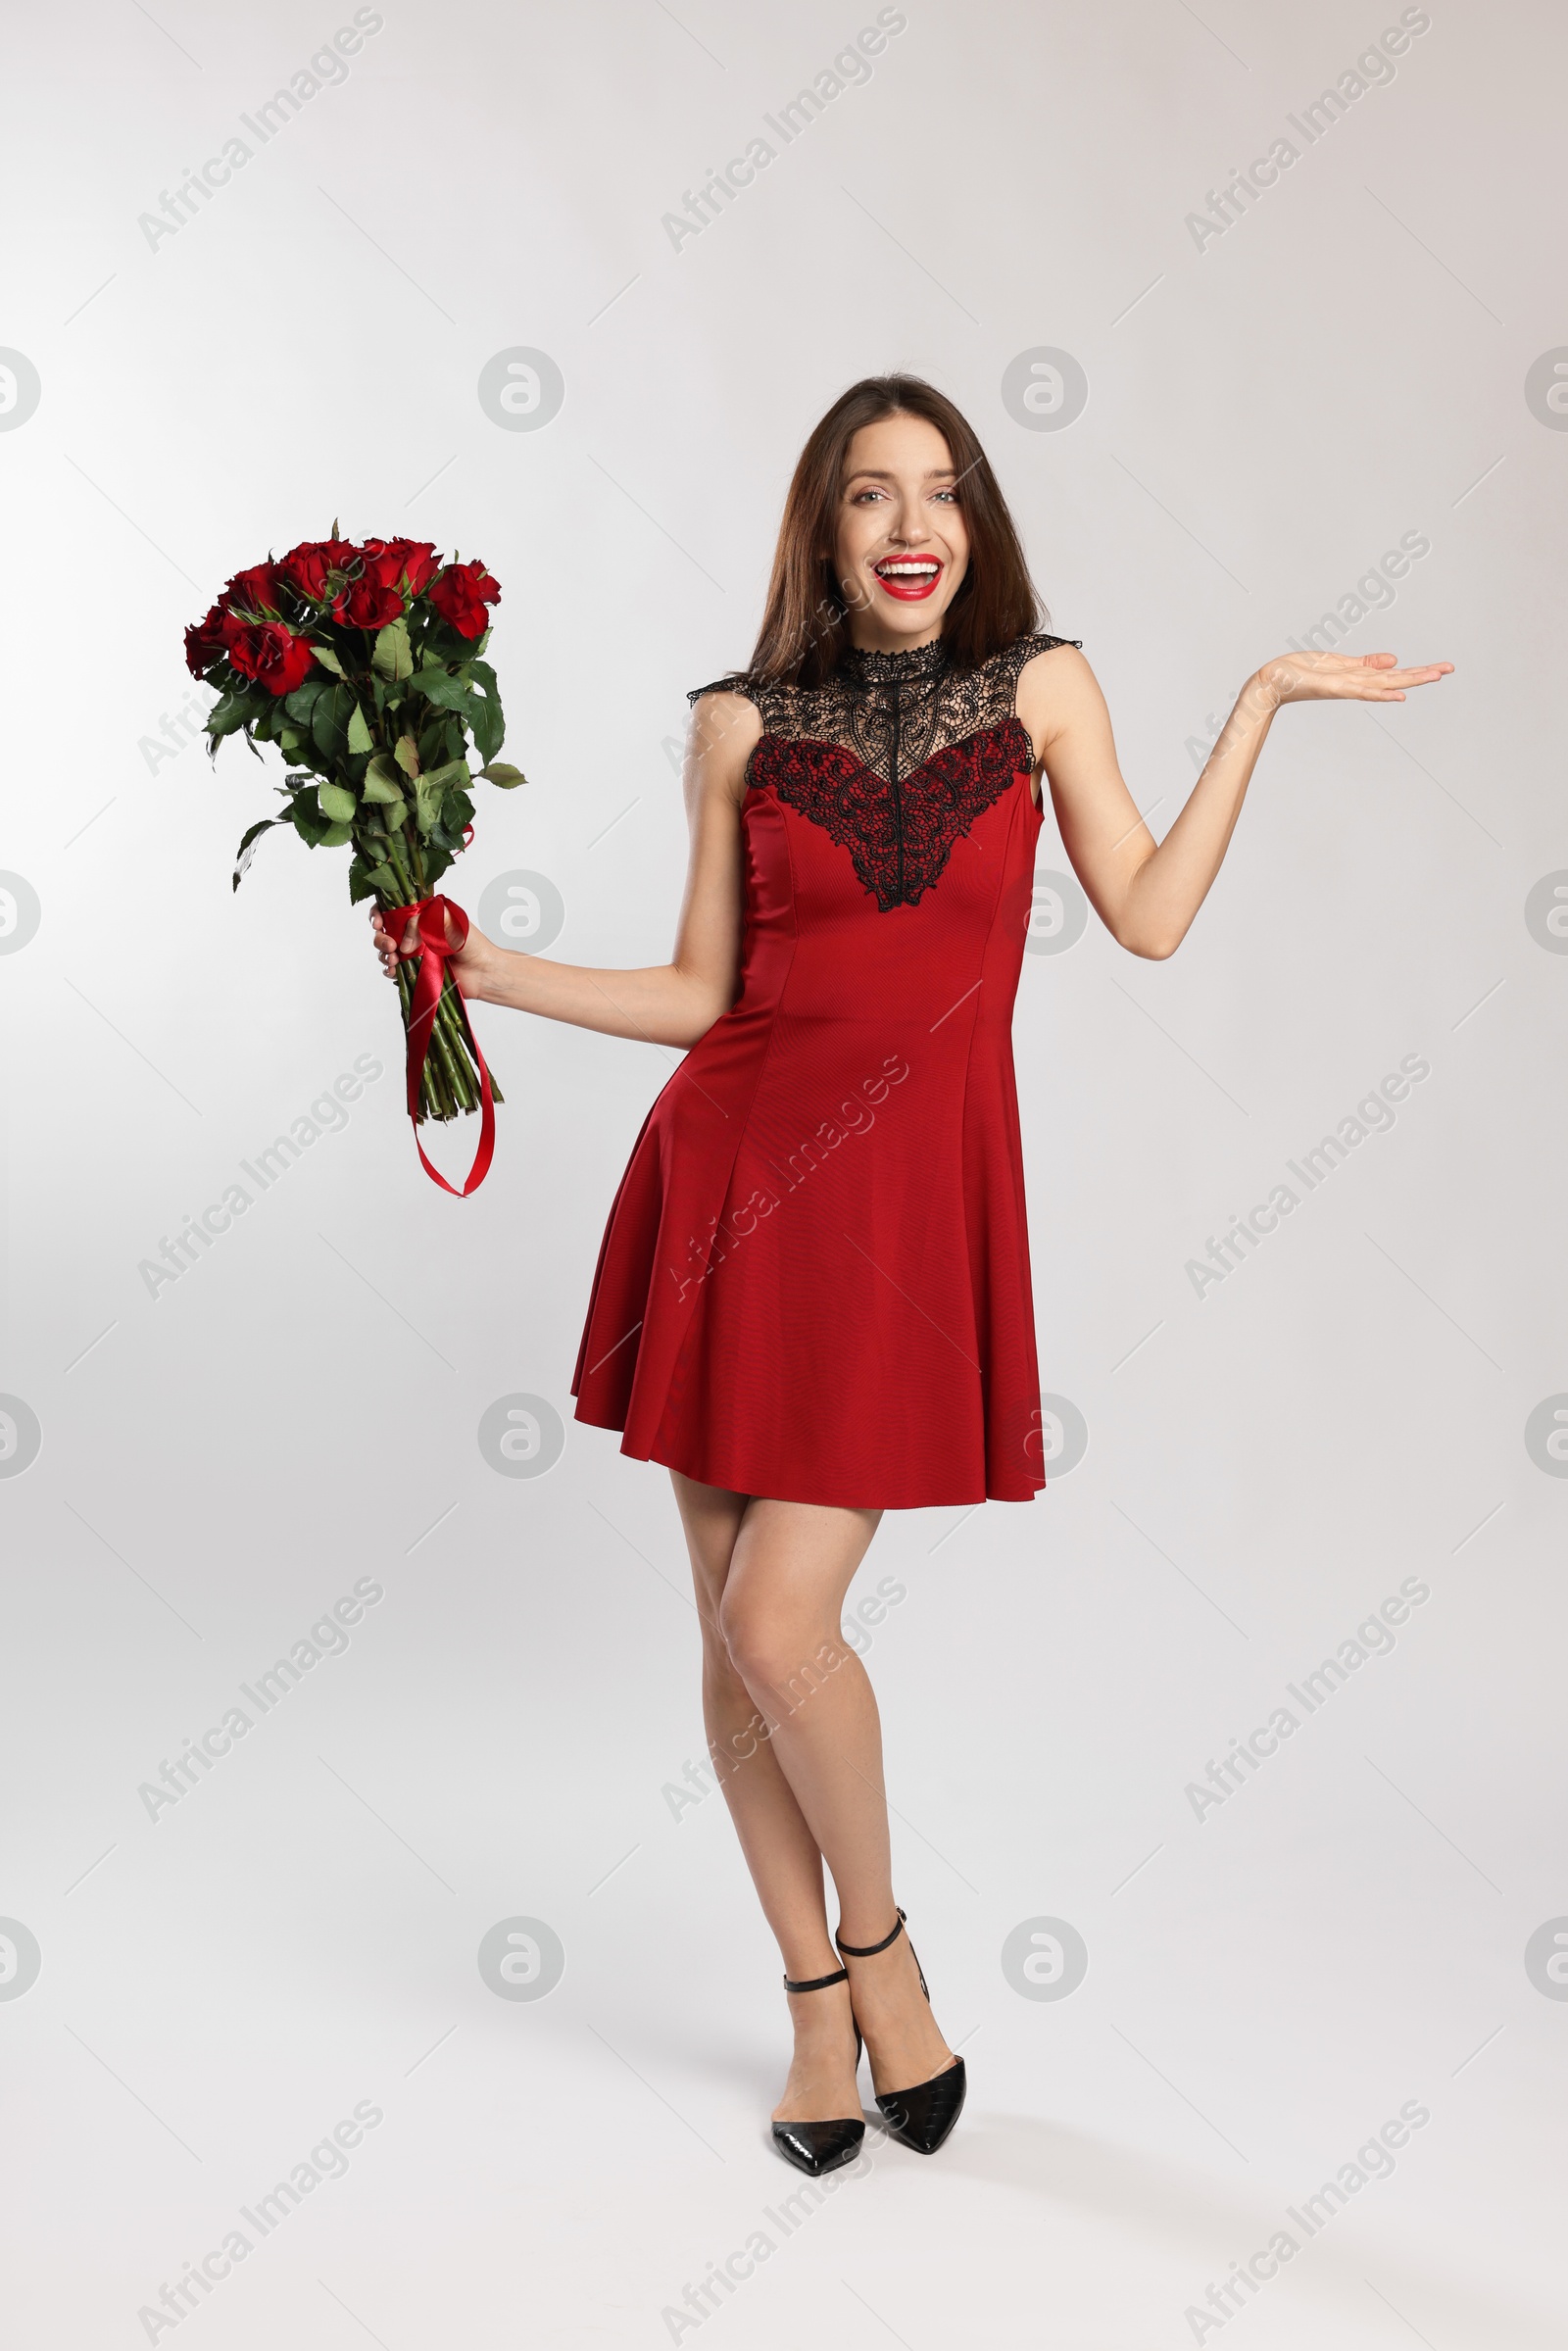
911	562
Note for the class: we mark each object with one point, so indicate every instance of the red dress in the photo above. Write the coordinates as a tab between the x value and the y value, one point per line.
814	1281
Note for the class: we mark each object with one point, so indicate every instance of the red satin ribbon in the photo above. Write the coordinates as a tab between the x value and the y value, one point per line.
430	913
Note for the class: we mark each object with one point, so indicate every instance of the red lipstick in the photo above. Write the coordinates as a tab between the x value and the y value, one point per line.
909	577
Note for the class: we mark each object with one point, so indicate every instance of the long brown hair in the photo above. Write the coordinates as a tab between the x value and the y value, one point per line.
804	631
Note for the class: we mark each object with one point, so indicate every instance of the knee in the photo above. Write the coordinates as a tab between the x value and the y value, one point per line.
754	1635
773	1649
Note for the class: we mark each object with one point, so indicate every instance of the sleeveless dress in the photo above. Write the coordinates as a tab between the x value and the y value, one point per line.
815	1282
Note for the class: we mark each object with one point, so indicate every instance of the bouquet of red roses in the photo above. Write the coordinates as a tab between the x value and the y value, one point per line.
363	663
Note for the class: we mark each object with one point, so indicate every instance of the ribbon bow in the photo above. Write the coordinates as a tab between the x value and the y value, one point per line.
430	913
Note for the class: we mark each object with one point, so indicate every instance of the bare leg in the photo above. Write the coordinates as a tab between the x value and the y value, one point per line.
785	1691
781	1854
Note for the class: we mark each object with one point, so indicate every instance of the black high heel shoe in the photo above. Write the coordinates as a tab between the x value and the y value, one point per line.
819	2147
923	2116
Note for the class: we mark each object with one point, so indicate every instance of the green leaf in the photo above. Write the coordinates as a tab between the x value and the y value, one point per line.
428	794
504	778
337	803
485	714
301	701
308	822
371	881
335	835
230	712
393	656
327	659
360	738
329	720
447	693
247	848
289	740
407	756
454	771
383	782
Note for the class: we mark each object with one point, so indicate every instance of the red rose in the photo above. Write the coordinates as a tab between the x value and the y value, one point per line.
308	564
366	603
268	652
204	643
392	561
461	595
253	591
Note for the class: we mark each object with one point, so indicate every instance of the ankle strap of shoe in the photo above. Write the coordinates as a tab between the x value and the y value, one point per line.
869	1950
839	1974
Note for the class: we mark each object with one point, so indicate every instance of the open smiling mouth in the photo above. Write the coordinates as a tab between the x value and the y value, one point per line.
908	576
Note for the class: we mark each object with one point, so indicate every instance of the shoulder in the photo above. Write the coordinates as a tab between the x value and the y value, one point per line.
1023	657
735	681
726	725
730	706
1051	676
1017	669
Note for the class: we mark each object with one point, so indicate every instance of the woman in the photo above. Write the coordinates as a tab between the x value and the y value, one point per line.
812	1303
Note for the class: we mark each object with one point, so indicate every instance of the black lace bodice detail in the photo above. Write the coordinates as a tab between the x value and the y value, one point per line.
894	755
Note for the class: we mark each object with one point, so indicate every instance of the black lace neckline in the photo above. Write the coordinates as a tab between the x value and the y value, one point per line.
916	663
895	755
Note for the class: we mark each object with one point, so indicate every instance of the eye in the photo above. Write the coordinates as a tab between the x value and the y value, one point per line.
861	493
952	496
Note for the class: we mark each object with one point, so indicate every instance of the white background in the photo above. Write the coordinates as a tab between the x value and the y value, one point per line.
1267	416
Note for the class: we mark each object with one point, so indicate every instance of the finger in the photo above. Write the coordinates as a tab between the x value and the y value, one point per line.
1427	675
1419	669
409	945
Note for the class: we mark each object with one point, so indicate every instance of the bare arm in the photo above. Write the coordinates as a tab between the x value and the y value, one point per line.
1147	895
664	1004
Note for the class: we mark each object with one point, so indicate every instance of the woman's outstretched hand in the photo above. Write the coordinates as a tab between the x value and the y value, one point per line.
466	964
1342	677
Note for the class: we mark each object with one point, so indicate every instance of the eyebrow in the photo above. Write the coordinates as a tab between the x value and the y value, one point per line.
877	474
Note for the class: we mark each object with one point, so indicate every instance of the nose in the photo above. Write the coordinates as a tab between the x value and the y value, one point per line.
908	527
